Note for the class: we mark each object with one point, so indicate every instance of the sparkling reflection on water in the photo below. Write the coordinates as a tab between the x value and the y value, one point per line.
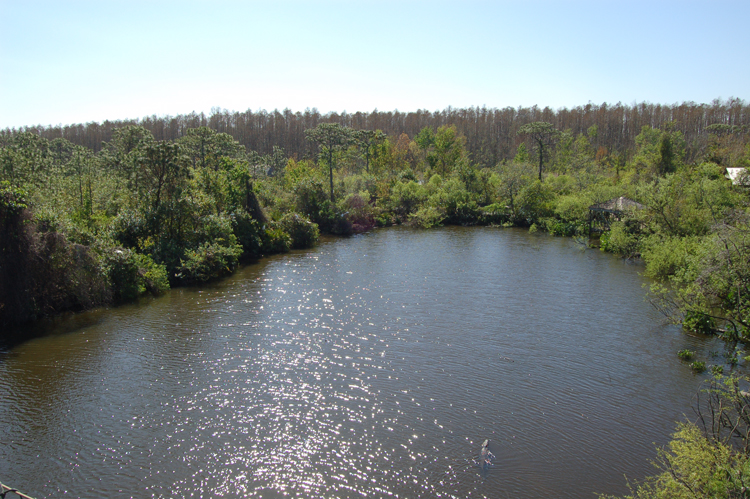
371	366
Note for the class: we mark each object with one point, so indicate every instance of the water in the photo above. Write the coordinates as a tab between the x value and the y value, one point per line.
373	366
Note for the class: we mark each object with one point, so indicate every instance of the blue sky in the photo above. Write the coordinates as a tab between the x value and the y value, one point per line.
80	61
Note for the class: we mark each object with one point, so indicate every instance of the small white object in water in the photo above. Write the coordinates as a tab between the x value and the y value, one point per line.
486	455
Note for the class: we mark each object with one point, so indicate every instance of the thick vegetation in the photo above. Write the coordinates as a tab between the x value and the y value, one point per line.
135	215
173	201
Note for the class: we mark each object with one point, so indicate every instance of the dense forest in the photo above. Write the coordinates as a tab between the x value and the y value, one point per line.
490	134
104	213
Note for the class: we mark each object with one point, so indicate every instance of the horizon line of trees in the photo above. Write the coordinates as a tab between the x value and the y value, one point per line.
491	134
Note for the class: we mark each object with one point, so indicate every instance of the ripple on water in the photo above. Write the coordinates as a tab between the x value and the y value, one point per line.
370	366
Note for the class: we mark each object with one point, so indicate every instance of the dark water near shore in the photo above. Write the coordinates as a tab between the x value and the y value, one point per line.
371	366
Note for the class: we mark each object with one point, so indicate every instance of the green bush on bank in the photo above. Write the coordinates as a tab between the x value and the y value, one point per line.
303	233
666	255
276	240
619	240
208	261
249	234
132	274
427	217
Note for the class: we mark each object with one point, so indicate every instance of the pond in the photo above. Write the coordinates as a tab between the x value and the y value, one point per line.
371	366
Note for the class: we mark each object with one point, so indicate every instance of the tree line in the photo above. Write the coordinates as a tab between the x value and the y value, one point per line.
490	133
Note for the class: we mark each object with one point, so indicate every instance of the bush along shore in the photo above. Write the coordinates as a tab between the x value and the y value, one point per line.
81	227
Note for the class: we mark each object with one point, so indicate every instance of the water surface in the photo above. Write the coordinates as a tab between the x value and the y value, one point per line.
372	366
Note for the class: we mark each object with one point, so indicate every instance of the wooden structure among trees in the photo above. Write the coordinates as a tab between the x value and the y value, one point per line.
602	214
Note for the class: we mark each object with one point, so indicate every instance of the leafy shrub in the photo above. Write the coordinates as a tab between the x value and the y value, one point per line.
384	219
311	198
664	255
129	227
333	221
561	228
13	200
216	228
132	274
534	202
698	366
693	466
359	212
276	240
698	322
208	261
493	214
618	240
123	272
572	208
360	183
303	233
47	220
155	276
458	204
406	175
427	217
249	234
685	354
406	197
717	370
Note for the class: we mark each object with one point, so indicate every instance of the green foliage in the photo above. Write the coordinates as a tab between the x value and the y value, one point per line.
534	202
573	208
208	261
494	214
618	240
331	138
425	138
658	152
215	228
132	274
698	366
249	234
303	233
406	197
276	240
129	228
12	200
448	150
542	135
358	212
698	322
311	197
559	228
666	255
522	154
427	217
709	458
686	354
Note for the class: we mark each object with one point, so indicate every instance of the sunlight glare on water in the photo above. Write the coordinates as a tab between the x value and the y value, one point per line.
372	366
